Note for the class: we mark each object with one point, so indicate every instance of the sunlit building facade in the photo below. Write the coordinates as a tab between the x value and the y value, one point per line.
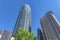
50	26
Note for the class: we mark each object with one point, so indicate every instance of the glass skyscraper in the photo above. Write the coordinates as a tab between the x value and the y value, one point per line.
24	19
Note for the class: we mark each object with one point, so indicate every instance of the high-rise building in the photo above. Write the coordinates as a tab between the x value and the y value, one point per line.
0	32
5	35
0	35
39	34
24	19
50	26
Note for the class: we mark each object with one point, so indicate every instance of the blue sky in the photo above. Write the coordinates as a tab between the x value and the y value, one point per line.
9	10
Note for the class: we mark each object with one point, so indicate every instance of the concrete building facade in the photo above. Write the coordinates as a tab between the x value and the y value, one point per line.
50	26
5	35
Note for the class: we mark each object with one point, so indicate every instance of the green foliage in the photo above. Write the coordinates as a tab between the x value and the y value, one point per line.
24	35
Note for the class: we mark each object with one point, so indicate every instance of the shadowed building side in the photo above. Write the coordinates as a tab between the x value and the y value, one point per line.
50	26
40	35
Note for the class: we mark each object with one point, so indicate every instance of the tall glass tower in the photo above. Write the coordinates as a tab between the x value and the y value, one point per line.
24	19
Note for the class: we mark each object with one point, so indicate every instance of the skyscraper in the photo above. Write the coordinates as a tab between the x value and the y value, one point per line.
0	35
39	34
50	26
5	35
24	19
